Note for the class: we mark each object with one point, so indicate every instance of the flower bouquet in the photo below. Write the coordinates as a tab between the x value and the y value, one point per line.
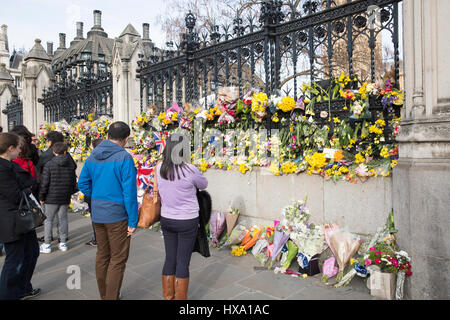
343	245
231	218
289	255
310	240
295	213
216	227
259	251
280	239
329	269
236	236
251	237
387	263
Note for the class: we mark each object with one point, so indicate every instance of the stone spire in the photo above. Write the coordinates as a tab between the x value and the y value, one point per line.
4	49
5	76
37	52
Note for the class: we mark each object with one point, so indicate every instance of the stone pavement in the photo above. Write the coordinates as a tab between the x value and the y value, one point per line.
219	277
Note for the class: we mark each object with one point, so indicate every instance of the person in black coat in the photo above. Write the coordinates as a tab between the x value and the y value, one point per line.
52	137
22	251
58	183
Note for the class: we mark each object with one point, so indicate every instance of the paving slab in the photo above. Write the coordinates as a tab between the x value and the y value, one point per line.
218	277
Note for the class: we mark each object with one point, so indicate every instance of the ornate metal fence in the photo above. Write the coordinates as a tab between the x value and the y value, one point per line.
14	111
276	51
75	98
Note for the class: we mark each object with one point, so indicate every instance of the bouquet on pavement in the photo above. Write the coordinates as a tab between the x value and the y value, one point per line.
344	245
216	227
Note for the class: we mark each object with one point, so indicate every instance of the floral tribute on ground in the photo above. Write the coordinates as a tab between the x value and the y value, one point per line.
297	247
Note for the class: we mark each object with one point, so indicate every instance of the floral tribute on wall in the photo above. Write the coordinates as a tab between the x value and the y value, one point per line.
351	144
348	142
79	135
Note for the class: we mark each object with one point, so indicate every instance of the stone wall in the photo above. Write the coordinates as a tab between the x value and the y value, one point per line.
421	181
360	208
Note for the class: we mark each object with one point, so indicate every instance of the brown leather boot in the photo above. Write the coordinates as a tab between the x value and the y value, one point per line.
181	288
168	287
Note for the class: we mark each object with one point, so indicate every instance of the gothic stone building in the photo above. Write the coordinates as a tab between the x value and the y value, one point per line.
84	74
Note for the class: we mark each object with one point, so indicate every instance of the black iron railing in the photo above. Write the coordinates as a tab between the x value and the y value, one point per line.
73	98
277	51
14	112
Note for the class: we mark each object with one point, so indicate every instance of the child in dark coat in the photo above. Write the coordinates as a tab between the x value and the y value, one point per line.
58	183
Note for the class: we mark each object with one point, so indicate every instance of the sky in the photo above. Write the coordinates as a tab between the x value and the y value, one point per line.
28	20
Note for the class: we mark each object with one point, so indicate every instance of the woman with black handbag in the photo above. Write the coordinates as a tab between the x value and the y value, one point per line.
177	185
22	250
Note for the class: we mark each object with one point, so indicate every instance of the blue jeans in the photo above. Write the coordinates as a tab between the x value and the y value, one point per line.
1	247
18	268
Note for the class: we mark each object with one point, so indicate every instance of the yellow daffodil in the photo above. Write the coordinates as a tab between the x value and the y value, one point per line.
275	169
203	165
384	152
375	129
316	162
394	163
275	118
287	104
359	158
242	168
381	123
288	167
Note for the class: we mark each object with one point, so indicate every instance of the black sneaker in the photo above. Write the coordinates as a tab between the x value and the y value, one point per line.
91	243
41	239
32	294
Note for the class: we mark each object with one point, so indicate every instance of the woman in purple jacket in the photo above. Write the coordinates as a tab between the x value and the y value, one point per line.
177	185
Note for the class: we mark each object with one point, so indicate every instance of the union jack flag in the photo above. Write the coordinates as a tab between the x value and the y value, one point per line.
185	122
145	177
160	141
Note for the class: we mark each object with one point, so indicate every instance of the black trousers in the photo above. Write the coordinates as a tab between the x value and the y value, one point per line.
179	240
20	262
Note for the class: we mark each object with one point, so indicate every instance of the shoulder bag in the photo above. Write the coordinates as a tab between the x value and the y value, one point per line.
150	211
29	217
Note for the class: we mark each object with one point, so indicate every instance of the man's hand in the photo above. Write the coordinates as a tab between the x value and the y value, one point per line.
42	202
130	231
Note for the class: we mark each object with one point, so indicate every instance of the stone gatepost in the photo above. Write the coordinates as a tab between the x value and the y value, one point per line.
421	181
36	75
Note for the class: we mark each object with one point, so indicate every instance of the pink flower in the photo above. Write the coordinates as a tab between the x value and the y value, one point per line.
377	261
373	249
367	262
378	253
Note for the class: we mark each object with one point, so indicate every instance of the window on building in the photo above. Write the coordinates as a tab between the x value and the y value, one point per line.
18	82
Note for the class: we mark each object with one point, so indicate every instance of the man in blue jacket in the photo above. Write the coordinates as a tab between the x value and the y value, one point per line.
109	178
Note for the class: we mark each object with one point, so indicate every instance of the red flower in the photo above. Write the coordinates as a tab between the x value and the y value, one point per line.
408	273
377	261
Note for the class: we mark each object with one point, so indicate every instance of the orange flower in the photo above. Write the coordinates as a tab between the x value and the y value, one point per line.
338	155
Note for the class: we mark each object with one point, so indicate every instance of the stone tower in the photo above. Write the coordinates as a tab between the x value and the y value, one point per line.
36	75
4	49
